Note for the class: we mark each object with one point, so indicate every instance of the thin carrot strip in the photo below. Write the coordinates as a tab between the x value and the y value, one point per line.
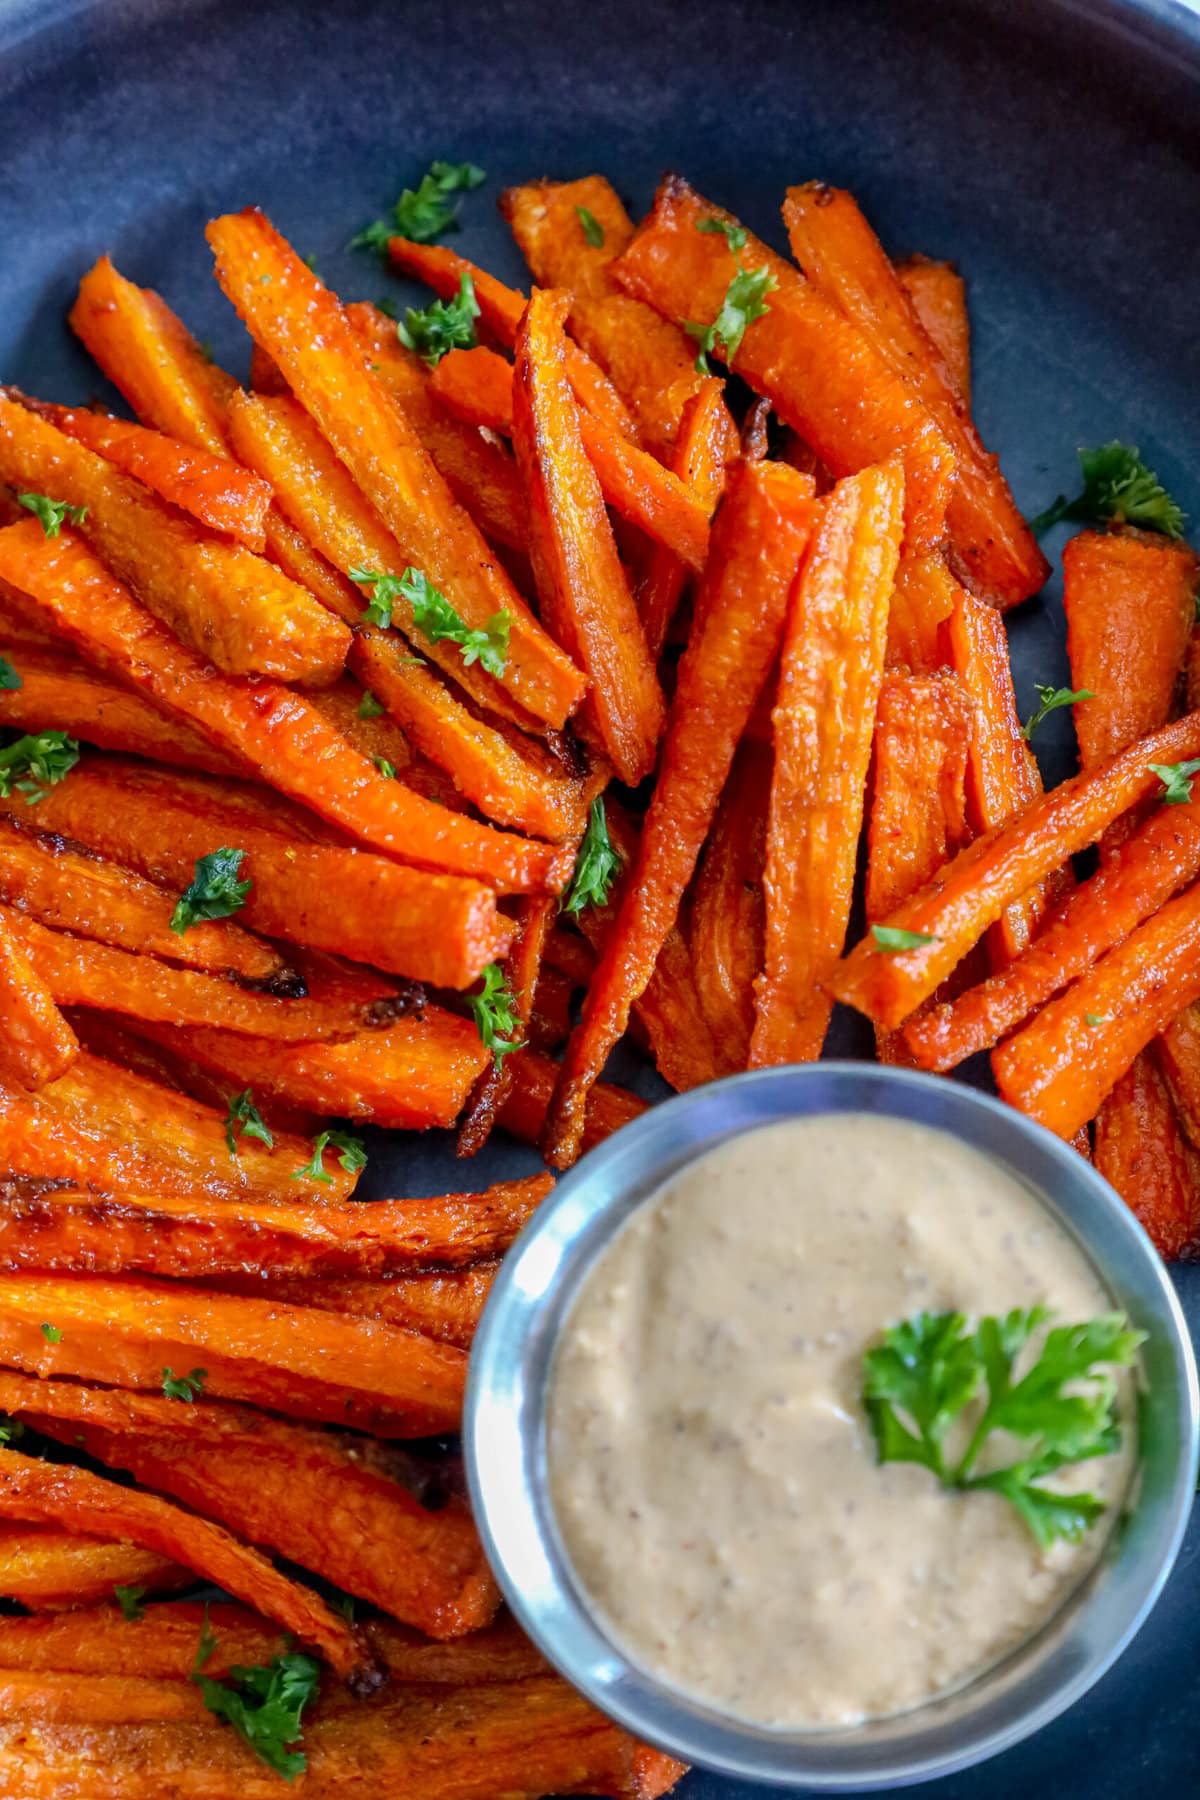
706	446
923	600
760	535
818	371
971	892
444	1304
844	260
1178	1053
937	294
49	1570
527	1106
1141	1151
830	671
522	970
727	930
272	727
36	1045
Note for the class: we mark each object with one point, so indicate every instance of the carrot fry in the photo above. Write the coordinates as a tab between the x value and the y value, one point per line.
378	735
760	535
522	970
229	605
318	1366
444	1304
283	736
105	1127
213	489
937	294
49	1570
923	599
477	387
819	372
36	1044
569	955
583	587
51	1701
728	913
56	1494
1178	1052
971	892
1141	1151
1060	1066
705	447
524	1112
830	670
845	262
299	322
544	219
67	1231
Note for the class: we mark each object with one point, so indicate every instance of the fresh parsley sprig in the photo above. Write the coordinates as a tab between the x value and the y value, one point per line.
494	1010
745	300
31	764
52	1333
369	707
919	1381
426	211
129	1599
1049	700
10	681
893	939
184	1387
214	891
1118	489
1177	780
434	616
593	230
596	865
443	325
51	514
734	235
351	1153
263	1704
244	1116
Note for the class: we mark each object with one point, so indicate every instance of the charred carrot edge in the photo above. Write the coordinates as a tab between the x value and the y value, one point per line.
302	326
522	969
831	666
50	1571
844	260
937	294
57	1494
818	371
36	1044
758	540
525	1110
923	599
271	727
728	912
971	892
1178	1054
1142	1152
1060	1067
583	587
68	1231
227	604
705	448
213	489
444	1304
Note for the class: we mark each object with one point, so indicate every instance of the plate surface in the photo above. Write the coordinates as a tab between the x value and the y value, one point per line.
1049	148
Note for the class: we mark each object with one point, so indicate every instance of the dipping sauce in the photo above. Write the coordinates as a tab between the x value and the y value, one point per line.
711	1468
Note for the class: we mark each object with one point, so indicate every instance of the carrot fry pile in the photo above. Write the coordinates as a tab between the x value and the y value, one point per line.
383	742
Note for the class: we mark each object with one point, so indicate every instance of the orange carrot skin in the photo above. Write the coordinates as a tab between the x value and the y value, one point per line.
819	373
1142	1152
973	890
544	219
1059	1068
727	928
525	1109
53	1571
923	599
831	667
36	1043
706	447
1141	877
476	386
759	537
843	258
583	587
1178	1053
445	1304
918	808
937	294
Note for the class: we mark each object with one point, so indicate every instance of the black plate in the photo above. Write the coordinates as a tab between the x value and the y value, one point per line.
1049	148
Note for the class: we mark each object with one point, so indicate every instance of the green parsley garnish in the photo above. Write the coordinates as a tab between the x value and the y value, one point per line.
494	1010
1176	779
1050	699
1117	488
593	230
425	212
596	865
745	300
206	1645
265	1706
369	707
890	937
10	1429
434	616
184	1387
1094	1019
443	325
386	768
244	1114
927	1371
129	1599
10	681
734	235
51	513
52	1334
214	892
33	764
350	1153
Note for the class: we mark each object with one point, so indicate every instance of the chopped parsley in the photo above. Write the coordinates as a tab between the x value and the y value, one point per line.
1049	700
443	325
350	1153
892	939
10	681
386	769
129	1599
244	1115
745	300
1118	489
423	213
31	764
734	235
596	865
1176	779
184	1387
494	1010
52	1334
593	230
51	513
265	1706
214	892
369	707
434	616
1094	1019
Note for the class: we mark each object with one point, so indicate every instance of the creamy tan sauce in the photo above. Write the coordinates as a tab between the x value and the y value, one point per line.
710	1466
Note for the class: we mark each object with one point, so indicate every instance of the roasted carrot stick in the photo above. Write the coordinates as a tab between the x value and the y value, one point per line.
705	447
47	1569
1141	1151
439	1303
477	387
728	913
299	322
522	970
36	1043
227	604
285	738
213	489
57	1494
918	804
954	909
844	260
759	537
525	1109
923	599
937	294
819	372
583	587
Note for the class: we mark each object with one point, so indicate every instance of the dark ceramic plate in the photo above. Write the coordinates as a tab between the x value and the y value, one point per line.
1050	149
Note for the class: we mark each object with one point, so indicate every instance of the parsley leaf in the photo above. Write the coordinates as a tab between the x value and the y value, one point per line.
1050	699
243	1112
928	1370
41	762
443	325
386	768
184	1387
1177	780
1094	1019
436	618
593	230
494	1012
51	513
265	1706
52	1334
206	1645
745	300
426	211
596	865
10	681
214	891
369	707
734	235
10	1430
1117	487
350	1154
129	1599
385	591
891	938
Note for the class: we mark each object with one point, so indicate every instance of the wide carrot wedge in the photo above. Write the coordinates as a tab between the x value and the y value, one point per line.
302	326
844	261
938	295
232	607
67	1231
57	1494
36	1043
759	538
705	447
50	1570
284	737
819	372
923	600
969	894
445	1304
1141	1150
830	670
213	489
728	912
583	587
